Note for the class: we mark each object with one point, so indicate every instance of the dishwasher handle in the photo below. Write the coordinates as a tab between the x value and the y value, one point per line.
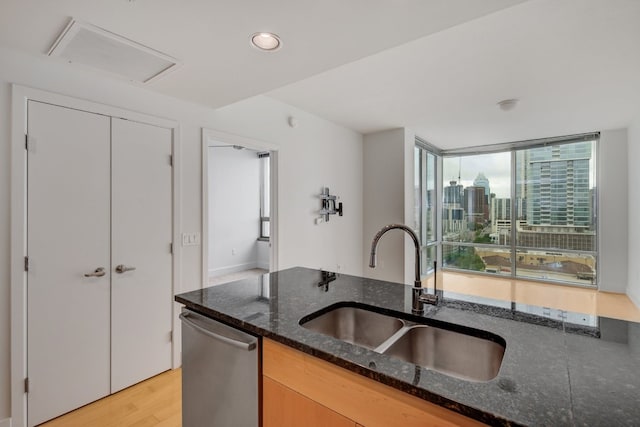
242	345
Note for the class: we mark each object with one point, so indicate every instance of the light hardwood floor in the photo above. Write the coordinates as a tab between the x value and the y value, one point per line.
232	277
157	401
154	402
569	298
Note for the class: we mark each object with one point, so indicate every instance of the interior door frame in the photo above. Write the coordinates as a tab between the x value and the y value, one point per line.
210	135
20	95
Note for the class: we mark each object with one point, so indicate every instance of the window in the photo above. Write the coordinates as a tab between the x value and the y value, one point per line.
476	212
265	208
556	236
527	211
425	204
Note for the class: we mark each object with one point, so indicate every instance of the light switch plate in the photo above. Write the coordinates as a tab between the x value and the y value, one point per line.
190	239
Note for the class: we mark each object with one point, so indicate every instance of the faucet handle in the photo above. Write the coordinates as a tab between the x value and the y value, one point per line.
429	298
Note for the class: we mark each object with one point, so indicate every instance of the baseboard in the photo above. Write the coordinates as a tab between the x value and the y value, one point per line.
263	265
5	423
221	271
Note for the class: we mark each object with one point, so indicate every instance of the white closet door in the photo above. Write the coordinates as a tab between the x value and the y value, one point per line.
68	237
141	237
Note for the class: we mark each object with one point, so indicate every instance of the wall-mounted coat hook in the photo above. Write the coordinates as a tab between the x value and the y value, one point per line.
329	206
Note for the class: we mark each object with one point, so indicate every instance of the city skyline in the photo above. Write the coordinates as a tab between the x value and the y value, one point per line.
554	231
496	167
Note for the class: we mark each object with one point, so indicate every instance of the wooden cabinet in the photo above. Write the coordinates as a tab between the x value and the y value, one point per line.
283	407
360	400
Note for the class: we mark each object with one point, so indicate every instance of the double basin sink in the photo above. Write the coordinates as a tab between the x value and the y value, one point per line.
458	351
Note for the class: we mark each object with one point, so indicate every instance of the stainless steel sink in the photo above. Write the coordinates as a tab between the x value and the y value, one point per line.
453	353
355	325
461	352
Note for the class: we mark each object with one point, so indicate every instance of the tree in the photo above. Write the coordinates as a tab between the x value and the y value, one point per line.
482	234
481	237
465	258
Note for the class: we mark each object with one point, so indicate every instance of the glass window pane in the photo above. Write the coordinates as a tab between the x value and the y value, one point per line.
425	205
428	256
462	257
485	259
417	190
424	195
265	205
265	195
264	228
429	201
557	266
553	208
476	204
555	186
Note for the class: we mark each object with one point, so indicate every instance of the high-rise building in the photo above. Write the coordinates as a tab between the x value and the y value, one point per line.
482	181
500	209
475	204
556	184
452	208
453	194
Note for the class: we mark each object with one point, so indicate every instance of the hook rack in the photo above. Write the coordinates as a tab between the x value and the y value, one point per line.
329	206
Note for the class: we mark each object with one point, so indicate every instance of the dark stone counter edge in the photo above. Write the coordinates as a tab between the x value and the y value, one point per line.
468	411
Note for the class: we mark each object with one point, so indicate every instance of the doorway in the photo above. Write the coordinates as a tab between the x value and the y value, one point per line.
239	209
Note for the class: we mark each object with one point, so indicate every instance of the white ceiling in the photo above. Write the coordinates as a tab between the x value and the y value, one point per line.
211	37
573	64
436	66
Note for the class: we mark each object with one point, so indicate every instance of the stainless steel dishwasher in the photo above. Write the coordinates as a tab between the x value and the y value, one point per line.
220	374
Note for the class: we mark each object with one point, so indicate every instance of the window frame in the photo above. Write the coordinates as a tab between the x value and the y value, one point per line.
425	149
513	148
265	194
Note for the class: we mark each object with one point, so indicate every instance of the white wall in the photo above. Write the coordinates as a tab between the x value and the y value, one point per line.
408	148
389	198
5	307
633	196
234	210
313	154
612	210
383	201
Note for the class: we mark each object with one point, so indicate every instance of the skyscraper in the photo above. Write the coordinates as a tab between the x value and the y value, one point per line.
556	185
452	208
475	205
453	195
483	181
500	209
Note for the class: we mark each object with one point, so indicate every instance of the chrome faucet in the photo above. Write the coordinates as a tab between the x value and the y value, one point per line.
419	298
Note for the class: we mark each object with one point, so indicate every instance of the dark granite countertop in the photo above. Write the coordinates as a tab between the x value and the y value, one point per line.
558	369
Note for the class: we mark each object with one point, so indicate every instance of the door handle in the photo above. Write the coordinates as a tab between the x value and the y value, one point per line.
121	268
98	272
248	346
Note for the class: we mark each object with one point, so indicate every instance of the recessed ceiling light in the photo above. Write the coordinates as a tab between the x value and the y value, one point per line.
266	41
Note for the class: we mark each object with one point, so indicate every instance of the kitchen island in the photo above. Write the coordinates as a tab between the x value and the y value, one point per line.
560	369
